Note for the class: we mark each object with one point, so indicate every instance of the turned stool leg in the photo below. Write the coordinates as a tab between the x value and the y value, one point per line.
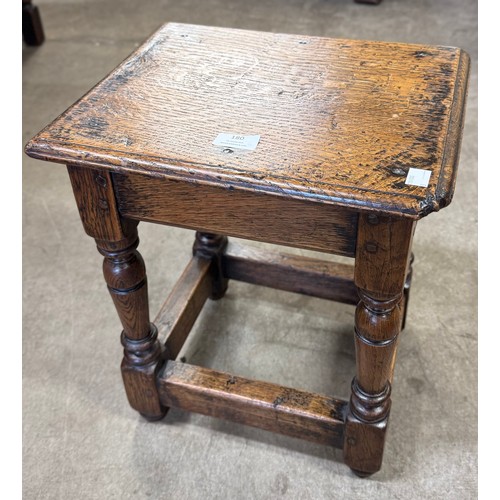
376	333
211	246
383	250
125	275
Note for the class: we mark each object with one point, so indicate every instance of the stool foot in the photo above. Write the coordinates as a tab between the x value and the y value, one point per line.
360	473
141	362
211	246
154	418
365	430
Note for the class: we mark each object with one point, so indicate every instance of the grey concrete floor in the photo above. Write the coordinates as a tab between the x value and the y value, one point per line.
80	438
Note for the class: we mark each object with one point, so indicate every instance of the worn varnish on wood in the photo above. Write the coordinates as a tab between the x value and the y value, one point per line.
260	404
341	121
244	214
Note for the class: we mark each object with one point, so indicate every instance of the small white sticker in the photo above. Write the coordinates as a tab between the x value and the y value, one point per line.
418	177
237	141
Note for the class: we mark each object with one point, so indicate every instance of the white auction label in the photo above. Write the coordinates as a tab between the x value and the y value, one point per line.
418	177
237	141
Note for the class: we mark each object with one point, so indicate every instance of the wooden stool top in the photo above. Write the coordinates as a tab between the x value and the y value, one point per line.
340	121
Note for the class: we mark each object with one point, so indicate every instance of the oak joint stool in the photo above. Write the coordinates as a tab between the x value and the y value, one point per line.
338	146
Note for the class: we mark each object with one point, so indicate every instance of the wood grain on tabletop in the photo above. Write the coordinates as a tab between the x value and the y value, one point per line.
341	121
